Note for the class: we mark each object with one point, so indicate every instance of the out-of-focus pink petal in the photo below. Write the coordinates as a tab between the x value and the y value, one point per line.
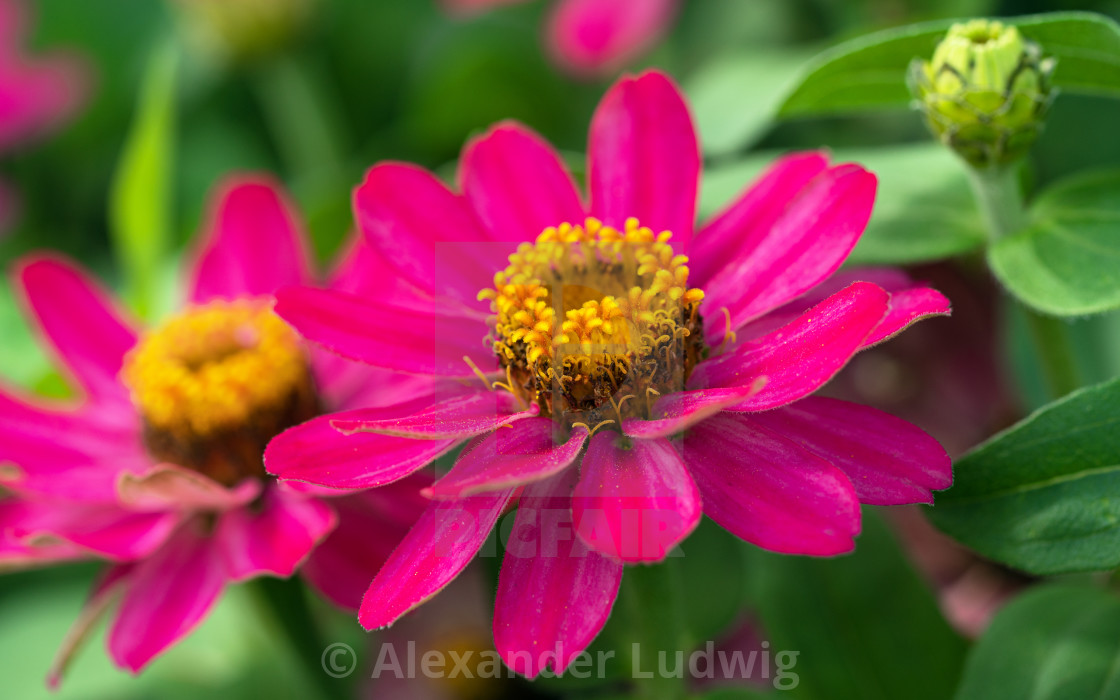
554	593
458	417
436	549
428	232
109	531
89	334
744	224
803	247
674	412
171	487
273	537
889	461
317	453
17	551
634	502
802	356
908	306
167	595
517	184
429	341
593	37
525	452
100	600
65	452
769	491
253	244
644	157
370	526
38	95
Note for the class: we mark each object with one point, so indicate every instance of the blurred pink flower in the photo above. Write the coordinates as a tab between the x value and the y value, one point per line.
134	473
595	37
37	95
674	388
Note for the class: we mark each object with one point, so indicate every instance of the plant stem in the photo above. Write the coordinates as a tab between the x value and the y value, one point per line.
1000	199
284	603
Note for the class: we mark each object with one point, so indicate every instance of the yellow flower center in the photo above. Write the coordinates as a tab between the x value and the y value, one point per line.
593	323
216	383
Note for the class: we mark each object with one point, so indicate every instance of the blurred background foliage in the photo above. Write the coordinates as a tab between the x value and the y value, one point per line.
370	80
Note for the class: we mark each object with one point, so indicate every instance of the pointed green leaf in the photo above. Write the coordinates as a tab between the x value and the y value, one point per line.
1042	496
140	201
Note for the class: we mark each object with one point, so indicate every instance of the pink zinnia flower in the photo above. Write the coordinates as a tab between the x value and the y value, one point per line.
595	37
159	466
627	388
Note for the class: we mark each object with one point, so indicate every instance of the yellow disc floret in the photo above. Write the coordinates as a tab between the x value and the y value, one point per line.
592	314
216	382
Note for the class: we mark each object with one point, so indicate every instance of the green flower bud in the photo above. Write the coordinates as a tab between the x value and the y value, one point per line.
985	93
246	30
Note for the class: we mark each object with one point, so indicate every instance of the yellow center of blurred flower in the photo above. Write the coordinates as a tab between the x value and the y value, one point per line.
593	323
216	383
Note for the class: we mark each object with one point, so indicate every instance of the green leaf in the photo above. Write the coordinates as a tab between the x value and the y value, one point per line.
735	98
1067	261
869	73
865	625
924	209
140	200
1041	496
1052	643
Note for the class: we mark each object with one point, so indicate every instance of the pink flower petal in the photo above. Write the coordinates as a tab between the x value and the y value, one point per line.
167	595
317	453
455	418
171	487
525	452
417	341
84	466
634	503
889	278
436	549
801	357
274	537
89	334
249	216
644	158
370	526
594	37
806	245
769	491
428	233
554	594
908	306
674	412
739	229
889	461
19	551
109	531
517	185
